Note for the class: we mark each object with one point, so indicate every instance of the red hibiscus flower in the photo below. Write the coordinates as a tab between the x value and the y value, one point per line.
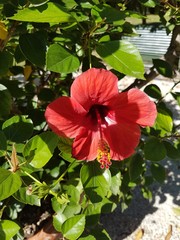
104	123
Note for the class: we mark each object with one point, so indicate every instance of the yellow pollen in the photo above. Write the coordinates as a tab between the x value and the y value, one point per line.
103	155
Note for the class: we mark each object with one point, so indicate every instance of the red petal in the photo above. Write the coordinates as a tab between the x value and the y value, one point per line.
134	106
65	117
122	138
95	86
85	145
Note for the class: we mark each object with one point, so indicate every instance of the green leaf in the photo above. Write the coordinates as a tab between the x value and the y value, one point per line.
154	149
58	220
149	3
38	2
136	167
73	227
163	67
100	233
46	94
3	144
95	181
39	150
69	4
172	152
9	183
73	193
14	87
33	46
158	172
65	146
18	128
108	14
61	60
115	180
123	57
6	61
147	194
8	229
47	13
92	212
164	121
153	91
109	204
5	101
176	96
23	196
89	237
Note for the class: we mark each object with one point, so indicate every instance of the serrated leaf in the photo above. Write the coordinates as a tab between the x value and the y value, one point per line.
40	148
73	227
47	13
158	172
123	57
8	229
18	128
61	60
95	182
9	183
154	149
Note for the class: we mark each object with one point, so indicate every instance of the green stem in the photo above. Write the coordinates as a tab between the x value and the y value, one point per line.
62	175
176	135
33	178
170	91
89	53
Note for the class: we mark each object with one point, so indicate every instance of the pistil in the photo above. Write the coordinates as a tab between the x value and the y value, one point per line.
103	152
103	156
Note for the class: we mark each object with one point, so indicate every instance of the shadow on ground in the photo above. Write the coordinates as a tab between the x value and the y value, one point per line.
121	225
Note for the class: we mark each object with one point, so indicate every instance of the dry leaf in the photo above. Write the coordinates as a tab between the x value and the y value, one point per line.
3	31
139	234
27	71
14	160
47	233
169	234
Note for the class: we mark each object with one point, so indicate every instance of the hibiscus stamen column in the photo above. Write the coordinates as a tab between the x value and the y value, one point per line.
103	153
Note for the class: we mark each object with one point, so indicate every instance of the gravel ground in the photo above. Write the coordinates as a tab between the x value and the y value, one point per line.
151	220
155	220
